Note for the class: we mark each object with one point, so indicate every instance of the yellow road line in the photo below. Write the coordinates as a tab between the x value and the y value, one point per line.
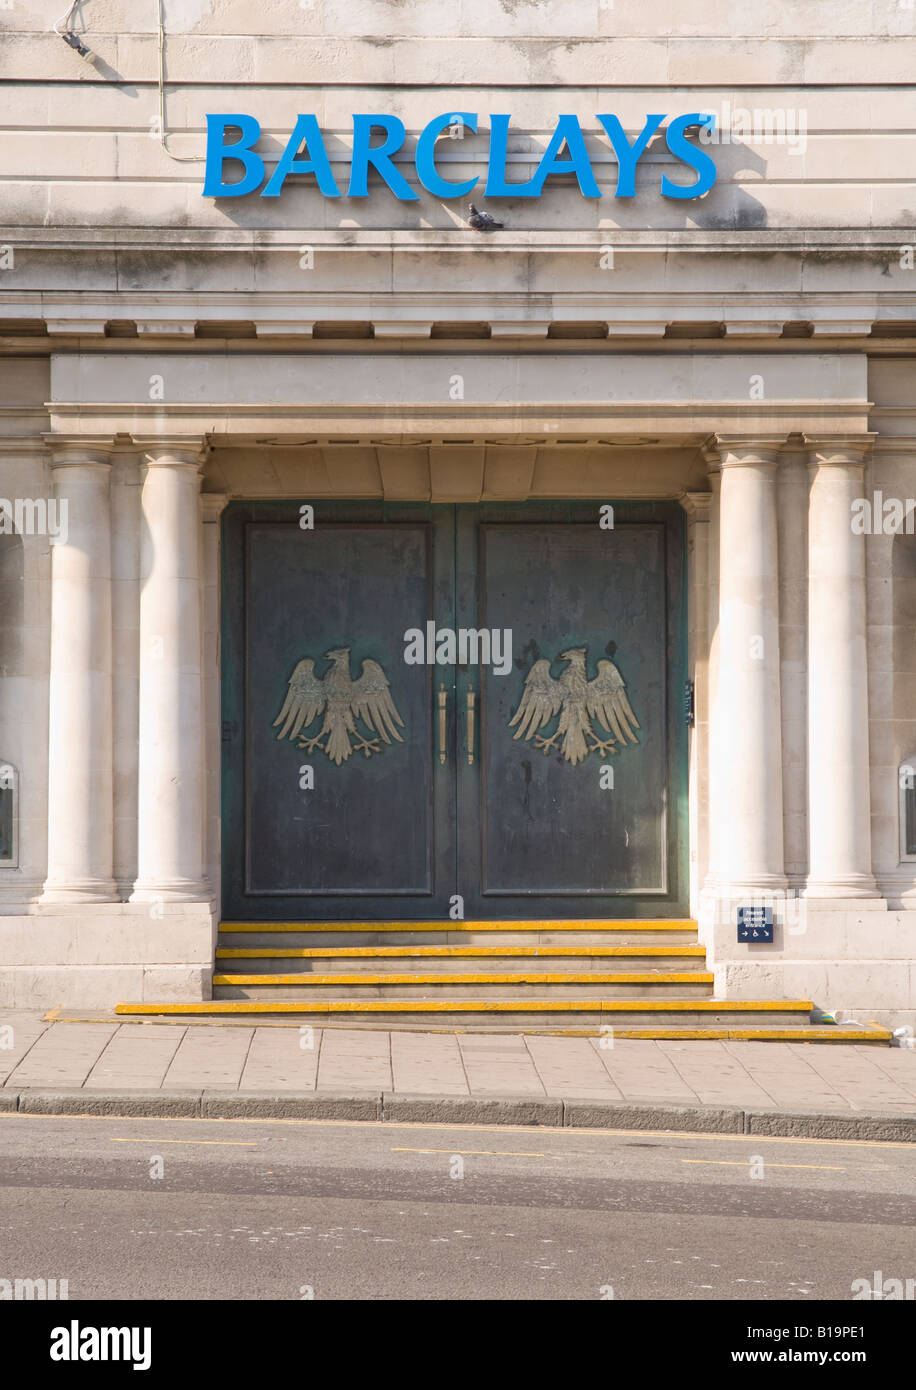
731	1163
490	1153
221	1143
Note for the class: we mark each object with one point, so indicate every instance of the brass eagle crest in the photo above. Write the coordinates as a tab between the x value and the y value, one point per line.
343	701
578	701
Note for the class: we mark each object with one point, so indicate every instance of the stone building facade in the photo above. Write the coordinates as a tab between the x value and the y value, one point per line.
743	363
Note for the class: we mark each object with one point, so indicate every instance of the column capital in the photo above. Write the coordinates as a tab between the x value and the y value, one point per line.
212	505
746	450
79	450
838	450
171	450
697	505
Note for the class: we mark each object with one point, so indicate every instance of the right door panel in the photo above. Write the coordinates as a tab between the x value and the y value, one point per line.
571	806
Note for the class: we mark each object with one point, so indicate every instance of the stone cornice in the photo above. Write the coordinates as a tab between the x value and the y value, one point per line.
667	423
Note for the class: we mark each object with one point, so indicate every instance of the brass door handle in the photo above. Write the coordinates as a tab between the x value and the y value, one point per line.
443	696
471	698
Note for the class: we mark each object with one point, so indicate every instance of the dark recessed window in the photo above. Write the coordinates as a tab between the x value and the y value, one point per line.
7	812
908	808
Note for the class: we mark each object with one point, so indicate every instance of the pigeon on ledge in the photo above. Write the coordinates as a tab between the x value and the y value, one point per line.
482	221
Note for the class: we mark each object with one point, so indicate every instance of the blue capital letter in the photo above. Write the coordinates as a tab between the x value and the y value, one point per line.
307	130
427	172
569	133
697	159
218	152
379	156
628	155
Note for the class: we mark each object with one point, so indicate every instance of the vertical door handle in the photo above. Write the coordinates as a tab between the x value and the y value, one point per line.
443	696
471	698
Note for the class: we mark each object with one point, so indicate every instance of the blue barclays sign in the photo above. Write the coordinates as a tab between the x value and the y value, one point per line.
240	153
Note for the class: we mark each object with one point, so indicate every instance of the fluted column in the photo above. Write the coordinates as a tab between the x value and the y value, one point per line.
80	794
839	822
170	778
746	723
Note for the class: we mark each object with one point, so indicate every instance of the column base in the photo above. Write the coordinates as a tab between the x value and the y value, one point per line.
747	887
848	886
173	891
93	890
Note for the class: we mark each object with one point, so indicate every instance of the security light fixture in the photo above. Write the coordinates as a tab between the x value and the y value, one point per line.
69	37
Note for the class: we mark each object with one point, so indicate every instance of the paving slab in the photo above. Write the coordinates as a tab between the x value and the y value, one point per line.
18	1035
282	1059
570	1067
640	1071
499	1065
139	1055
428	1063
354	1060
63	1055
210	1057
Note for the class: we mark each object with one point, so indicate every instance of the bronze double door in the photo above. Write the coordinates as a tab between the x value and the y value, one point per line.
434	711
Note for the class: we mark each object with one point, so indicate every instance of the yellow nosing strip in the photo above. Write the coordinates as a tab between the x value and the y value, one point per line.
255	1006
448	952
796	1034
581	977
667	924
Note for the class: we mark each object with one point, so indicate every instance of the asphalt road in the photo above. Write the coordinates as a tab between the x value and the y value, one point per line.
170	1209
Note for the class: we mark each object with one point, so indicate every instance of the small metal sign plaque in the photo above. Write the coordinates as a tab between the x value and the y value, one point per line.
755	924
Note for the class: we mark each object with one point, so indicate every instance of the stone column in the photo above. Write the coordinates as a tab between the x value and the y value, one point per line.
839	822
746	723
170	780
80	796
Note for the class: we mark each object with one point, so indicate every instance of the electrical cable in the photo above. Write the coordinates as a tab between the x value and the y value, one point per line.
163	133
65	19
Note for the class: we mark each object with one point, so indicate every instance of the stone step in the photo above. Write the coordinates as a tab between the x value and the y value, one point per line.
651	932
514	1014
521	985
457	960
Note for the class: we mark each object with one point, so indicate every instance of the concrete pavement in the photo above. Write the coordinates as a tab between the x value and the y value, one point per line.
831	1090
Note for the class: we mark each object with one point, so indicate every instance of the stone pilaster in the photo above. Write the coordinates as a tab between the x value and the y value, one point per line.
698	506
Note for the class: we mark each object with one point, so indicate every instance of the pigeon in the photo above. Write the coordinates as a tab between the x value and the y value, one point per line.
482	221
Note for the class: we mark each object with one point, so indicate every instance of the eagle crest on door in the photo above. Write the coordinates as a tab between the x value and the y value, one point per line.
343	701
578	701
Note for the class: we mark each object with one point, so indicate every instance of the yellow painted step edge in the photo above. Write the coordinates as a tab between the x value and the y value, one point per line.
802	1034
433	1006
585	924
580	977
447	952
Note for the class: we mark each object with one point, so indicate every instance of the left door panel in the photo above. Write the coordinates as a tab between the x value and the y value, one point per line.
314	678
